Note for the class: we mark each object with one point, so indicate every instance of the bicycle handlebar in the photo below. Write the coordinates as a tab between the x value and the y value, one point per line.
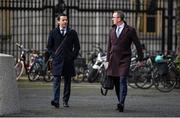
19	45
24	49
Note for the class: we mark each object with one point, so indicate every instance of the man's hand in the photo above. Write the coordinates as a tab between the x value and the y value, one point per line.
106	65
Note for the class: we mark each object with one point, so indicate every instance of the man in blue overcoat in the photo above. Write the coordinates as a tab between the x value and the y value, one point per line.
63	45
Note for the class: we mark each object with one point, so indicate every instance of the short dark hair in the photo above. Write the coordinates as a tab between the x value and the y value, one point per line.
120	14
59	15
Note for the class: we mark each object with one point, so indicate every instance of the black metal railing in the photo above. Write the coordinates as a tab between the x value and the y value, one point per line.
29	22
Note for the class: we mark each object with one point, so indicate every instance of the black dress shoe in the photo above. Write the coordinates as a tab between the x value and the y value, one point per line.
65	104
56	105
120	107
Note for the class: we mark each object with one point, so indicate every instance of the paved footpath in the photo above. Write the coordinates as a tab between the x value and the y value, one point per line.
86	101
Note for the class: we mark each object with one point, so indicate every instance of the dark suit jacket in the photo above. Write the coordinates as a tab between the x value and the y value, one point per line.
63	61
119	51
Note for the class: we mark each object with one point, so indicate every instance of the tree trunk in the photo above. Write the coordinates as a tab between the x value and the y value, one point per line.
178	25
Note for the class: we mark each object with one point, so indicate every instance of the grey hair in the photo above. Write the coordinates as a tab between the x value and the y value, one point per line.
120	14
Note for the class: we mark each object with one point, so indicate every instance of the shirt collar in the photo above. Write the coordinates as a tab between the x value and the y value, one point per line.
62	28
120	26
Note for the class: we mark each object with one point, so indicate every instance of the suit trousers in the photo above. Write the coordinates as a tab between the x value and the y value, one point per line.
121	88
57	86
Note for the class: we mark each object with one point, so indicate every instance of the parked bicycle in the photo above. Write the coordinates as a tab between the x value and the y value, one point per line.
41	68
158	72
143	74
23	64
166	83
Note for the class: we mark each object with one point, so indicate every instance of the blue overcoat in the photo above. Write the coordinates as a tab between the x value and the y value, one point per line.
63	60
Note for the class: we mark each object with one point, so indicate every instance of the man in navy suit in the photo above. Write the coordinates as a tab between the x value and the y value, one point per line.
121	37
63	45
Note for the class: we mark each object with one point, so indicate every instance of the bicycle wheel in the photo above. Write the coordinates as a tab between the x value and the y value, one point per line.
131	80
93	73
166	83
34	72
48	74
142	77
19	68
87	71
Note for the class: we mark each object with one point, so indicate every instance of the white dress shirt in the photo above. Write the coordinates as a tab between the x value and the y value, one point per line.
119	29
62	31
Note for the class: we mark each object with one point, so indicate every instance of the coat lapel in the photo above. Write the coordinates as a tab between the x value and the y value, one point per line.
67	31
114	35
59	32
124	32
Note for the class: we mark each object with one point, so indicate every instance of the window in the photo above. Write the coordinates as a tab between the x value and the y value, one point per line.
147	21
151	25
